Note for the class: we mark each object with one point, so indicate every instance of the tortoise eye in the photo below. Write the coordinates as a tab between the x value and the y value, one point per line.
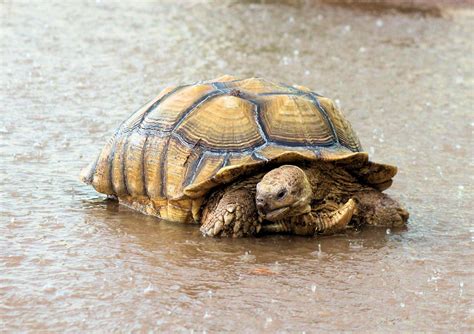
281	194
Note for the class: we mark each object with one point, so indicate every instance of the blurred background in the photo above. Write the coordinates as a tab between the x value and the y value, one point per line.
402	72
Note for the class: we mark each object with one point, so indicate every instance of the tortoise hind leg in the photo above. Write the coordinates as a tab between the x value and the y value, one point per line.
230	212
377	209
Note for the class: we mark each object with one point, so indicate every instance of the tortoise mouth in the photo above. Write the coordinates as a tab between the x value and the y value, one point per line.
275	214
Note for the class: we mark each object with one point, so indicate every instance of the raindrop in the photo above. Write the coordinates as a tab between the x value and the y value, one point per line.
65	143
49	288
402	305
356	245
362	49
379	23
313	287
388	231
320	252
206	315
307	72
247	257
433	278
149	289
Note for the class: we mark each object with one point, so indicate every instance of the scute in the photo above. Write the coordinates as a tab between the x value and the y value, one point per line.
153	165
100	171
192	138
177	163
258	86
294	120
224	123
133	165
166	114
345	135
118	166
207	167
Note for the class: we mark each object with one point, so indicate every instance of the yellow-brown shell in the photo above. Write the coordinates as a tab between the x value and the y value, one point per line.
193	137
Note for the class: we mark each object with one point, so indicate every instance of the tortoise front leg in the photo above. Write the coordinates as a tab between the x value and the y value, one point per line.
315	222
230	212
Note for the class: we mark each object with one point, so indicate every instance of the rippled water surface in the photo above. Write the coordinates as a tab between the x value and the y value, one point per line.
71	261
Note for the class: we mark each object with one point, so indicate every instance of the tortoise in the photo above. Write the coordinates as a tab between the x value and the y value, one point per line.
244	157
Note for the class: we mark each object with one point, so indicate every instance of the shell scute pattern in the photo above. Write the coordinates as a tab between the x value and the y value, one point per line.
191	138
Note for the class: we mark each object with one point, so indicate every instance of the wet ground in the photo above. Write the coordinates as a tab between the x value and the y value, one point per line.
71	261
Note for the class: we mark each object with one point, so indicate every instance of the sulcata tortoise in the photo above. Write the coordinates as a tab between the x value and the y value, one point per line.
245	157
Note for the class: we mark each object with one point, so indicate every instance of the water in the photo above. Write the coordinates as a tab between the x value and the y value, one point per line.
72	261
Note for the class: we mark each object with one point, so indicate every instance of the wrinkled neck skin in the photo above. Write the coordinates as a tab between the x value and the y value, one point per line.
289	190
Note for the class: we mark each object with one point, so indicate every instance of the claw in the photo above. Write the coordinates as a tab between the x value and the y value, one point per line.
207	232
218	227
228	218
246	228
238	213
237	226
338	218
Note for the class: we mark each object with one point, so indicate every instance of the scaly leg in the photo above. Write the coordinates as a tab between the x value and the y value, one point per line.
377	209
230	212
315	222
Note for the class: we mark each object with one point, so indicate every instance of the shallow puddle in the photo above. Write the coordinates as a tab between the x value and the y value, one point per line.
72	261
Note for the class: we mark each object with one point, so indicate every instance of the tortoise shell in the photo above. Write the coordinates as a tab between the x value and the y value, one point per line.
191	138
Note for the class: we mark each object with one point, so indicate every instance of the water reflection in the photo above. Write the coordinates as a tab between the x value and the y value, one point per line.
185	244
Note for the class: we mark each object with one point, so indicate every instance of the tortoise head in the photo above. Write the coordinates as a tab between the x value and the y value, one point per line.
283	192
